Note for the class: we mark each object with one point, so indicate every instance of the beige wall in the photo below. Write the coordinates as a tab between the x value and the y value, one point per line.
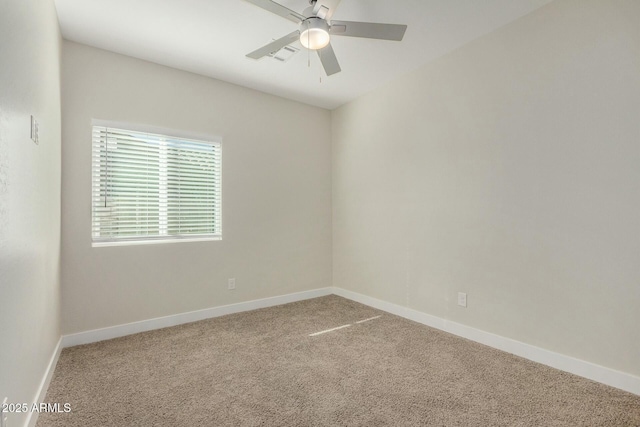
276	194
29	197
510	170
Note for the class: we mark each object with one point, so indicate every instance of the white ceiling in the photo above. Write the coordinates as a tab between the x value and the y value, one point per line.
212	37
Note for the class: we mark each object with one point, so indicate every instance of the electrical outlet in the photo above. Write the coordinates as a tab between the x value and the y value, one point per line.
3	414
231	284
462	299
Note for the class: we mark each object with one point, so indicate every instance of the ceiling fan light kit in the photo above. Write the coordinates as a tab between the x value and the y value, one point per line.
316	29
314	33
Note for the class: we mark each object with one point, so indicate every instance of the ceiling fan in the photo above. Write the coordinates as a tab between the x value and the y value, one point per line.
317	27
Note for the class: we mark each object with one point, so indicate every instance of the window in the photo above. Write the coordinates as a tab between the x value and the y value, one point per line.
148	187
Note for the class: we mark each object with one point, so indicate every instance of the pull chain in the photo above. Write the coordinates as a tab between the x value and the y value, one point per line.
320	71
308	50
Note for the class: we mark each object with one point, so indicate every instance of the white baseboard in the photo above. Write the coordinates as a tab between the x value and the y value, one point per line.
32	417
569	364
562	362
192	316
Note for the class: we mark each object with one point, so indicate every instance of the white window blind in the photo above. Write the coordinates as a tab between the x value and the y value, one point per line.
154	187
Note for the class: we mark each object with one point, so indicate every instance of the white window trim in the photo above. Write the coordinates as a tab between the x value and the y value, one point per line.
154	241
136	127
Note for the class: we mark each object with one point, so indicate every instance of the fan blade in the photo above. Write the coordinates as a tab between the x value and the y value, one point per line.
275	46
324	9
368	30
279	10
329	60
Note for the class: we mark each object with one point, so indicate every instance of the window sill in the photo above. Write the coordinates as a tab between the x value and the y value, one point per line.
153	241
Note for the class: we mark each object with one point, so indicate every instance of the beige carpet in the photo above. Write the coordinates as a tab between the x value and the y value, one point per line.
262	368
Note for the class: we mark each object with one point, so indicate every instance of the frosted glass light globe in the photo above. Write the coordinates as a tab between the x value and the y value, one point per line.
314	33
